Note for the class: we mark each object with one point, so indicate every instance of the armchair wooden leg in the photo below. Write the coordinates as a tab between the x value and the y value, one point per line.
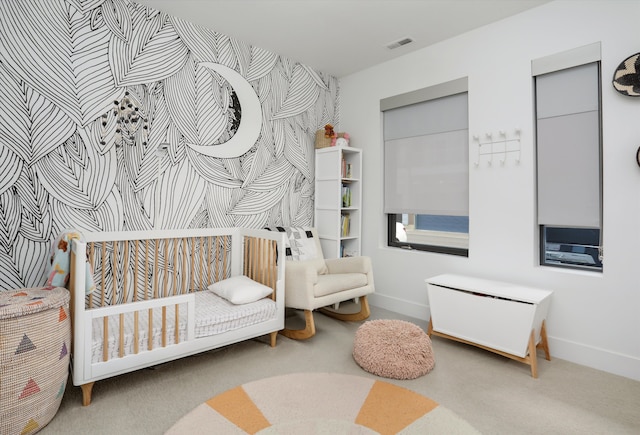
363	314
302	334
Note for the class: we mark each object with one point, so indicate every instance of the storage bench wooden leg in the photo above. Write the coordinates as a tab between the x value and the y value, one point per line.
544	344
530	359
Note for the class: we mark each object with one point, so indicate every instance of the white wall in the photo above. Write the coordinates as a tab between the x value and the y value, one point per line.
594	318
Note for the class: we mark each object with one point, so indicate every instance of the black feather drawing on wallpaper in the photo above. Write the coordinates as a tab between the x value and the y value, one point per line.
222	133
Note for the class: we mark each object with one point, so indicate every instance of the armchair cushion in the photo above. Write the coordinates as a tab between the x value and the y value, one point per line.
348	265
338	282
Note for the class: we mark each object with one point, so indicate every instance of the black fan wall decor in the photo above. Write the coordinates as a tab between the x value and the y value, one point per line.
626	78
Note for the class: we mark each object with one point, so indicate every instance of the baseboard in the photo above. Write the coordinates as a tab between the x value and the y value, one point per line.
594	357
578	353
400	306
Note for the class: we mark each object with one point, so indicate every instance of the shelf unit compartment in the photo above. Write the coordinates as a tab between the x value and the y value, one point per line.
328	194
326	168
354	189
354	224
327	224
350	169
349	248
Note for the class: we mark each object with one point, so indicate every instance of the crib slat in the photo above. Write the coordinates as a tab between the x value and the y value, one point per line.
146	269
175	267
92	267
136	326
260	255
121	335
165	281
114	298
114	295
201	263
135	271
245	261
269	271
216	256
155	293
273	264
184	266
264	249
224	257
208	261
114	272
136	334
125	262
253	260
176	327
193	250
164	326
103	283
155	269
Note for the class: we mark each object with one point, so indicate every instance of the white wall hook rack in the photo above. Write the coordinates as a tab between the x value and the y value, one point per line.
506	144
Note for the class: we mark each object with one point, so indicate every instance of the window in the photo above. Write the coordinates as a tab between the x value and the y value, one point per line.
426	168
569	148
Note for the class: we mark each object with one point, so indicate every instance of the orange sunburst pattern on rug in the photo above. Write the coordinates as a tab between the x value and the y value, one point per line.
237	407
388	408
313	403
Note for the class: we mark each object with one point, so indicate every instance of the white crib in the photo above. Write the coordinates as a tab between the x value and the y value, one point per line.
152	304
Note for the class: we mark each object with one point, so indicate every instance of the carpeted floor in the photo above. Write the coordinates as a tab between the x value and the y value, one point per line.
315	403
496	395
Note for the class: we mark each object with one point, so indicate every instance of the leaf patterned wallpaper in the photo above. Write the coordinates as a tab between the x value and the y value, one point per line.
229	137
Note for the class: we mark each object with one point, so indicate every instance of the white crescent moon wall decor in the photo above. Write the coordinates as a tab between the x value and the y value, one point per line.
250	121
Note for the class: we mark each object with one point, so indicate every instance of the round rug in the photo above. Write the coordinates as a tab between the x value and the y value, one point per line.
314	403
393	349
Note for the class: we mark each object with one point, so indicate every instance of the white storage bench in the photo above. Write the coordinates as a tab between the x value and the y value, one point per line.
504	318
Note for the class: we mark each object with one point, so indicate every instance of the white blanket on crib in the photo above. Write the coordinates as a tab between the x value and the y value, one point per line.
214	315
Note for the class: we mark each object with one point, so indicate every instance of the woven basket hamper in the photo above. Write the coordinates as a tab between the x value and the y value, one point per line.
35	339
323	142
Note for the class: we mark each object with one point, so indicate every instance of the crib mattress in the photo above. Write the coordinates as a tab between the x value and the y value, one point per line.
214	315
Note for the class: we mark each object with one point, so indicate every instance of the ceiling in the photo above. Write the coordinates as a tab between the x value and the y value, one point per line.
340	37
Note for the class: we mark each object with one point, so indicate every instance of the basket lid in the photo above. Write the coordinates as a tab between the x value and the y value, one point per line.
21	302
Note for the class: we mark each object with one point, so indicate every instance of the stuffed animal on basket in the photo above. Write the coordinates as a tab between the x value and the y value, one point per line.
342	141
328	131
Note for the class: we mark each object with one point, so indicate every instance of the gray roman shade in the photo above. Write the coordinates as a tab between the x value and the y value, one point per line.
426	151
568	146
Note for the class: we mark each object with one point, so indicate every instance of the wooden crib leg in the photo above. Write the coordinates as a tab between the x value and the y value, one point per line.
86	393
273	336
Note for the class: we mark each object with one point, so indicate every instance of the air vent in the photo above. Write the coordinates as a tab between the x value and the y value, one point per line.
399	43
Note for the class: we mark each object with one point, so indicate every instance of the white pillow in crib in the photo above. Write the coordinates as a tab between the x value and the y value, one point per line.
240	290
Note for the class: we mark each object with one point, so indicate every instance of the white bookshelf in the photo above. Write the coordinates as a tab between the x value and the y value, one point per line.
330	212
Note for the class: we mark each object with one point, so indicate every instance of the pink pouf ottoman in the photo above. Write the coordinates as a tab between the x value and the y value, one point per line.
393	349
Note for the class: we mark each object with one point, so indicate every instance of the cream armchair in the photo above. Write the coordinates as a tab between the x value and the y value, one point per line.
315	283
